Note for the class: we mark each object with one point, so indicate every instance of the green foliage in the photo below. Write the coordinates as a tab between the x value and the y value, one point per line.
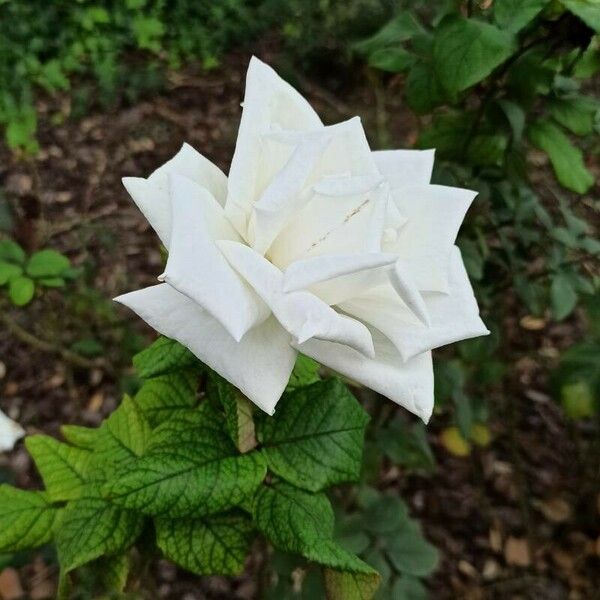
502	85
22	275
183	464
315	438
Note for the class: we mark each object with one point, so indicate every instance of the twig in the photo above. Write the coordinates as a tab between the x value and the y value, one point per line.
44	346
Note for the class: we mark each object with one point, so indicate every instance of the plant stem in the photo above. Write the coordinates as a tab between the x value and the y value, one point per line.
44	346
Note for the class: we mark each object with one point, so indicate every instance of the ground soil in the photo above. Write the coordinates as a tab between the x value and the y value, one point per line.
519	519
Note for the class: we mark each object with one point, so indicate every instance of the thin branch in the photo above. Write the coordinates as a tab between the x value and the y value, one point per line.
44	346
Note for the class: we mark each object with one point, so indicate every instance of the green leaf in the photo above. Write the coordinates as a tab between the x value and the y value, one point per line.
409	588
575	114
302	523
410	553
514	15
21	290
238	412
465	51
113	571
53	282
400	29
165	394
423	89
121	439
191	466
306	371
82	437
216	545
63	468
26	519
394	60
406	445
315	438
162	356
563	297
487	149
11	252
90	528
587	10
343	585
566	159
387	514
515	116
9	271
446	133
47	263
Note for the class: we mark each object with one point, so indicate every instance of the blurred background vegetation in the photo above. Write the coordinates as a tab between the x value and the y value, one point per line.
507	93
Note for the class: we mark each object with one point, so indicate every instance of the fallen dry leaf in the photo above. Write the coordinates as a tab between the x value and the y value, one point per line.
516	552
532	323
556	510
96	401
10	585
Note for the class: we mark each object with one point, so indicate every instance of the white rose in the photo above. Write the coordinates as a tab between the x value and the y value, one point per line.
10	432
313	244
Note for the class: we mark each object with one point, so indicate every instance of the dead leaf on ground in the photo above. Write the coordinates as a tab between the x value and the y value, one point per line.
556	509
10	585
516	552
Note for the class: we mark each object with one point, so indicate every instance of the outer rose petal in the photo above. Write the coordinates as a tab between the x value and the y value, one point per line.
434	215
453	316
152	195
260	365
405	168
269	103
409	384
197	268
301	313
10	432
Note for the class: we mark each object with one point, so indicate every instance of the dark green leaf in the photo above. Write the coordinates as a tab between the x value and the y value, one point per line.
216	545
408	588
26	519
465	51
575	114
513	15
394	60
398	30
90	528
162	356
516	117
423	90
191	466
446	134
302	523
165	394
306	371
410	553
315	438
563	297
387	514
53	282
566	159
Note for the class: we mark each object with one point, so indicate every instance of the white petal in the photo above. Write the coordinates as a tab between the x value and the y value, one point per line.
434	215
269	103
453	316
404	168
304	273
197	268
407	290
260	365
10	432
301	313
152	194
409	384
284	195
